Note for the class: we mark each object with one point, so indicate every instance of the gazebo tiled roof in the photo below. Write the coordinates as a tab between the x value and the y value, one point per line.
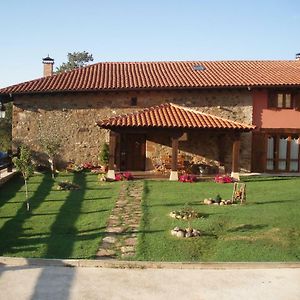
169	115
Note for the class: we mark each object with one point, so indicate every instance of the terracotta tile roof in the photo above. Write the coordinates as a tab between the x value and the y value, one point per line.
169	115
160	75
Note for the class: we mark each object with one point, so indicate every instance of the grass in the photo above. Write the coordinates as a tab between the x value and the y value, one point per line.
61	224
267	228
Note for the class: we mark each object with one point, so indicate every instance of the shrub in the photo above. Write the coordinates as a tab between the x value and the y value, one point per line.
223	179
104	154
124	176
188	178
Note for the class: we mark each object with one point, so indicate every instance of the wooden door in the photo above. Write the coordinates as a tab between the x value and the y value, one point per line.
133	152
258	152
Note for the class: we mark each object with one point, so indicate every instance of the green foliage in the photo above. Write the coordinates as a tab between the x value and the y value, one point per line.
104	154
23	163
75	60
5	128
218	198
50	142
50	137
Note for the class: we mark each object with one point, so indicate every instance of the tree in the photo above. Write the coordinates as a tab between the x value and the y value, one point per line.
104	155
50	139
23	164
75	60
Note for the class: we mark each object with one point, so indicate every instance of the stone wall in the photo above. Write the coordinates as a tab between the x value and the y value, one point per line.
74	116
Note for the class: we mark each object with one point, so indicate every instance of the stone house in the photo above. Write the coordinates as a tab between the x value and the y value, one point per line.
223	115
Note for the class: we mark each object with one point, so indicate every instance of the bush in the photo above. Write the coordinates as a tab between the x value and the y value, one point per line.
124	176
223	179
188	178
104	154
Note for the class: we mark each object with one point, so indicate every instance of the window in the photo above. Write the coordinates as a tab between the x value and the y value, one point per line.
283	153
280	100
133	101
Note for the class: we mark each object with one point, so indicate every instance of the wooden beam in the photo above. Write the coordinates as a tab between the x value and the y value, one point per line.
236	153
222	149
112	150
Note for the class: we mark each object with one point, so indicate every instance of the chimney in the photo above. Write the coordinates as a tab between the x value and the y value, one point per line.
298	56
48	66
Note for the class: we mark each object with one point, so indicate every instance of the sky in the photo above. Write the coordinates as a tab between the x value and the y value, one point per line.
138	30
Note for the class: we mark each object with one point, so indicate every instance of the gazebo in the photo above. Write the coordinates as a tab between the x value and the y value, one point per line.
169	120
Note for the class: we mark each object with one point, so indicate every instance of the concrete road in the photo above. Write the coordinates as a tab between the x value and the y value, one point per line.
49	282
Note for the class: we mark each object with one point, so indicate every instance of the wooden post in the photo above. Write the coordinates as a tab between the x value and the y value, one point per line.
222	149
111	160
236	156
174	166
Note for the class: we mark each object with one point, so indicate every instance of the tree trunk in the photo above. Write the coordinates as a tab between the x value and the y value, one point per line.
26	193
51	161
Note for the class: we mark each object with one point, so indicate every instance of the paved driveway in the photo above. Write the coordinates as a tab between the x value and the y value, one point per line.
49	282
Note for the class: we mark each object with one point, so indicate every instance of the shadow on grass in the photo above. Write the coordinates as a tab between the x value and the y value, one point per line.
265	178
12	230
63	232
247	227
209	234
10	188
275	202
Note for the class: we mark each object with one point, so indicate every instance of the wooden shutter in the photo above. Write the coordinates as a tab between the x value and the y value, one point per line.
258	152
297	101
272	100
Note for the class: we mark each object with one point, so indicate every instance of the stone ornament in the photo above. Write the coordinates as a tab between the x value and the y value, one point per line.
185	233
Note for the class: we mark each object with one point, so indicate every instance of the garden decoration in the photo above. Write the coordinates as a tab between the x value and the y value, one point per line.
217	201
185	233
239	192
185	214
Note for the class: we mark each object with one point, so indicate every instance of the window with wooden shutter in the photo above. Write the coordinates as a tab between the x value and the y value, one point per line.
297	101
272	100
280	99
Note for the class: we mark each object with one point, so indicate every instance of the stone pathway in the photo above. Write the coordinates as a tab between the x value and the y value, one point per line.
121	232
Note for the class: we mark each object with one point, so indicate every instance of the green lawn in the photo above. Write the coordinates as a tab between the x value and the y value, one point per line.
267	228
61	224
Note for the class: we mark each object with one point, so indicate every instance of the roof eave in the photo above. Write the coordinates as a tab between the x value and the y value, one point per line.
215	87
